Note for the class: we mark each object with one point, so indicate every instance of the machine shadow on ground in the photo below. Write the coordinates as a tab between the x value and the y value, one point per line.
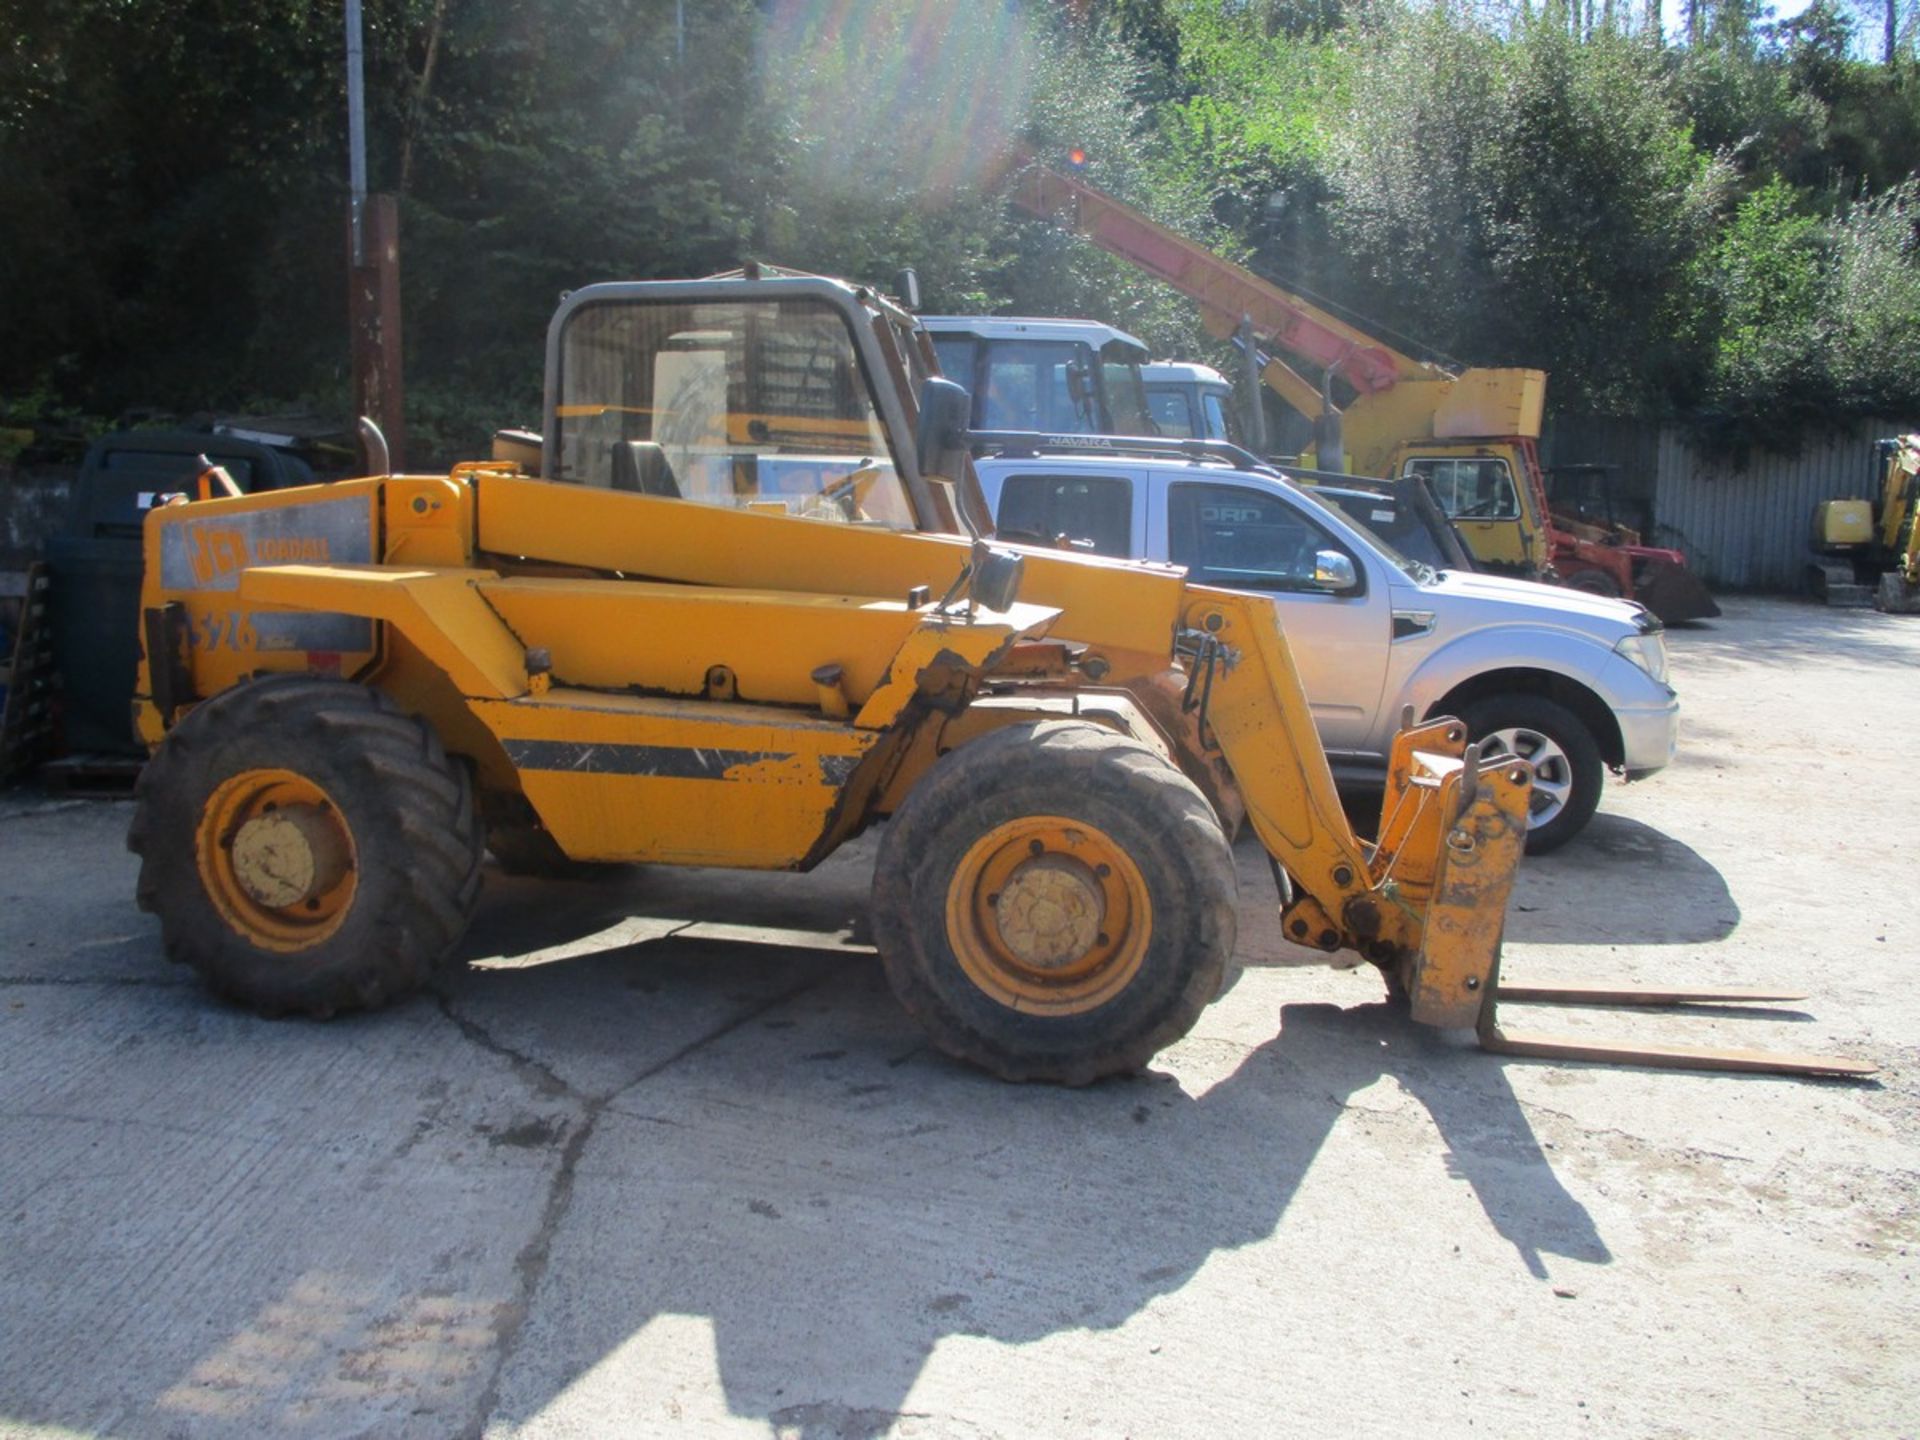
835	1199
751	1135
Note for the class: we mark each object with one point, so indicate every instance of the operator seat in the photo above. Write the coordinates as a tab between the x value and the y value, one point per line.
640	467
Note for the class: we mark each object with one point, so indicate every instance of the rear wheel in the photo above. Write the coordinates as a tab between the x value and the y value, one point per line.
1594	582
1568	772
307	846
1055	902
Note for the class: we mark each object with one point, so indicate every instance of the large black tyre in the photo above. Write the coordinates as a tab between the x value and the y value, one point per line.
1063	838
387	841
1569	772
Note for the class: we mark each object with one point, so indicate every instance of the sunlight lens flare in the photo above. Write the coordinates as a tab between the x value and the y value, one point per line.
916	97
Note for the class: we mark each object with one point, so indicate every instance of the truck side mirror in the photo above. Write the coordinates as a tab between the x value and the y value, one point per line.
1333	570
941	446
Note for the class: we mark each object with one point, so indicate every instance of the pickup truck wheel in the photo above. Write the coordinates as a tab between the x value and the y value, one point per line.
1054	902
1567	769
308	846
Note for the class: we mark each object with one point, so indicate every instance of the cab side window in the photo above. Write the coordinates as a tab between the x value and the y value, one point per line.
956	355
1171	412
1221	421
1246	539
1096	510
1470	489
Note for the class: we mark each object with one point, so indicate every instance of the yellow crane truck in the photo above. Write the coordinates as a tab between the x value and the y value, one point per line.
1472	434
729	608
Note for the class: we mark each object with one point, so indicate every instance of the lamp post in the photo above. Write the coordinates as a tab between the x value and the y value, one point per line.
373	271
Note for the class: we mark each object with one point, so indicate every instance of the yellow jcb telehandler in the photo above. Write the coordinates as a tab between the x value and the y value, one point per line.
729	608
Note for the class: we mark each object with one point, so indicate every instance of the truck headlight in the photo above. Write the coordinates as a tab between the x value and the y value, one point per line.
1649	652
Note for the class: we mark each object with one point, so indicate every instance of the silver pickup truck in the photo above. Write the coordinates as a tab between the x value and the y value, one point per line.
1573	683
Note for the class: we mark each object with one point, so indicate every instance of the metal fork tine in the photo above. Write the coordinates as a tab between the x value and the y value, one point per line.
1642	995
1673	1057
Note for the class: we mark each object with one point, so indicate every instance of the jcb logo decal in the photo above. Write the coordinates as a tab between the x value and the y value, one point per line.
209	550
215	552
291	550
221	552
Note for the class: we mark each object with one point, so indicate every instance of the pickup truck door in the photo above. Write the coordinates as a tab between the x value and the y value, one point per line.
1241	537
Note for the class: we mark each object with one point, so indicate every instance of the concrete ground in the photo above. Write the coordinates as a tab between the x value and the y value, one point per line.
664	1155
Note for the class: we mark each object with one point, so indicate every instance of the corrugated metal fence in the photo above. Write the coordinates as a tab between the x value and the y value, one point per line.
1743	527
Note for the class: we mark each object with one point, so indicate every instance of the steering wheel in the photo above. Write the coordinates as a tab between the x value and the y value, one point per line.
849	492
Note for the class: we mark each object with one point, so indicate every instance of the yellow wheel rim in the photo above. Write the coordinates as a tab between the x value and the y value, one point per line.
1049	916
277	859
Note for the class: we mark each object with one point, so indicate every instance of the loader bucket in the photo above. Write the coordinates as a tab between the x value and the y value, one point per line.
1672	592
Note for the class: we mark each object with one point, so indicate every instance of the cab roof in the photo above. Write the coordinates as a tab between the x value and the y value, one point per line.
1021	327
1183	371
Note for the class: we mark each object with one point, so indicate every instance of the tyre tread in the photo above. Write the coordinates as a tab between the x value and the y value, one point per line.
1095	761
419	917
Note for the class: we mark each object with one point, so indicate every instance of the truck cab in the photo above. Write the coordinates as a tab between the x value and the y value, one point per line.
1186	399
1063	377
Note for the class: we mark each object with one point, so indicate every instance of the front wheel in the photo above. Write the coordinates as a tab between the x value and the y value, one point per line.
307	846
1054	902
1568	772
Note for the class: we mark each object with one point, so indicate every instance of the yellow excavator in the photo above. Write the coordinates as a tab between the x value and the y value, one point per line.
1867	552
731	606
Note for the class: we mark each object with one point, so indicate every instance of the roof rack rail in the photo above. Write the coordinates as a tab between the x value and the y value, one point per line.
1035	442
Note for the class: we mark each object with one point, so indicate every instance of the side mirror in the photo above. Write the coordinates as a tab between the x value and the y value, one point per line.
941	446
1079	383
1333	570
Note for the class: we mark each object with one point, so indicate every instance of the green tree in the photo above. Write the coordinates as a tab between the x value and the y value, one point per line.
1771	287
1531	200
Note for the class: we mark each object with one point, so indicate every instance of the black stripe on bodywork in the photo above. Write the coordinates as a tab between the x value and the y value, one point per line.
660	762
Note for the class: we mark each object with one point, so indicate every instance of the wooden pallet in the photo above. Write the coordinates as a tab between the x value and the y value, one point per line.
106	776
26	722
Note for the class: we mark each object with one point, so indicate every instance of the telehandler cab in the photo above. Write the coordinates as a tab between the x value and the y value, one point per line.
722	612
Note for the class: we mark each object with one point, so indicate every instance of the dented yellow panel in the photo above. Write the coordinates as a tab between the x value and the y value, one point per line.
680	782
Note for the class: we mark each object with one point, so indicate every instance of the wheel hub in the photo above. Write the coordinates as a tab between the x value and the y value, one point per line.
277	858
287	856
1552	769
1050	911
1049	915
